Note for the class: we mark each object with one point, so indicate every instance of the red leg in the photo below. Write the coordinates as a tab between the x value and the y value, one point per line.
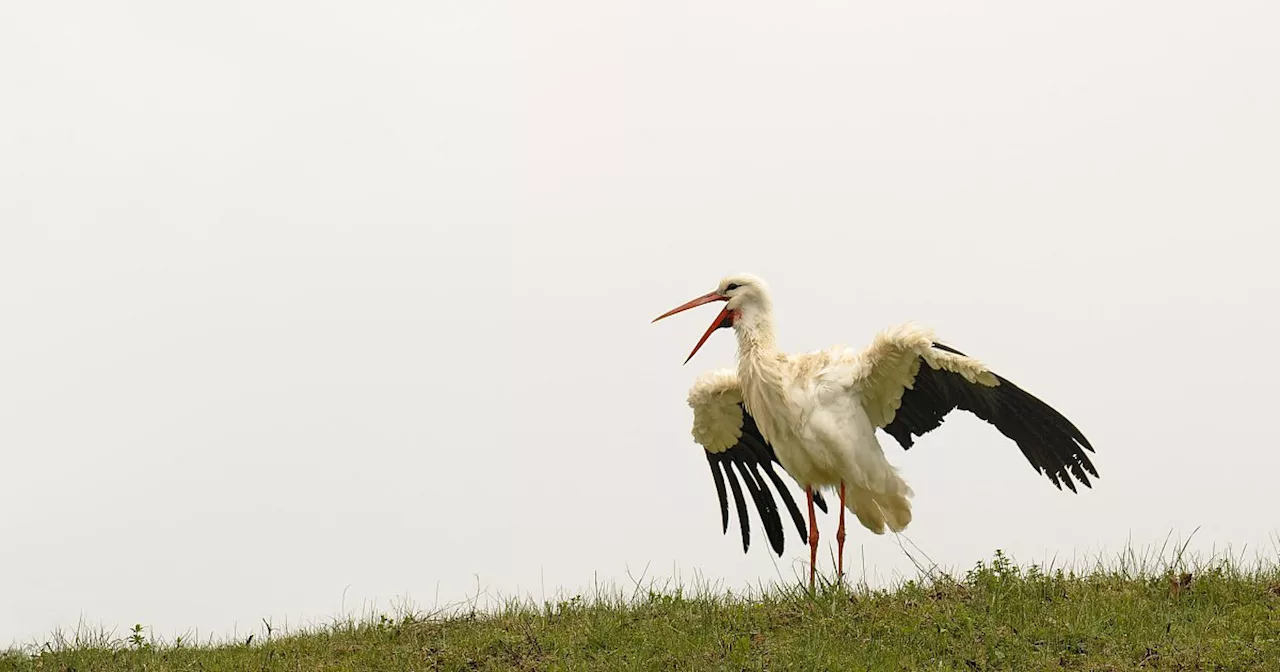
813	538
840	538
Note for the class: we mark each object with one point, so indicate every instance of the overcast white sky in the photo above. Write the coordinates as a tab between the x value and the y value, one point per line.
300	299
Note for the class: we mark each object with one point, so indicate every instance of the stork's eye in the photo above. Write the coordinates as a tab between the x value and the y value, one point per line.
732	286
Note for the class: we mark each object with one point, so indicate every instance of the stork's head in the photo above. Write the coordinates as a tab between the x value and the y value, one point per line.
746	300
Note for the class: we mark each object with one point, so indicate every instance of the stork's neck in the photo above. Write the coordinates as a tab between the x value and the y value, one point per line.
760	368
756	343
755	334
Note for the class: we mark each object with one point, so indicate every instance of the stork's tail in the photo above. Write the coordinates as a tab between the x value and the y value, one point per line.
885	503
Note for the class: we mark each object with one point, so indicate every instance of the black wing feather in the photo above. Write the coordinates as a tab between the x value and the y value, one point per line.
1050	442
720	494
766	463
764	503
742	506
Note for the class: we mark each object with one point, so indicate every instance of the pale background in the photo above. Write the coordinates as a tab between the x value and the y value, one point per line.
311	306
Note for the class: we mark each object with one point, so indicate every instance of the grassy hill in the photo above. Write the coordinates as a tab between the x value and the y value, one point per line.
995	617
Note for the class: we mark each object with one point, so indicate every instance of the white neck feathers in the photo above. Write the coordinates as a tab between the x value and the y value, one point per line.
758	361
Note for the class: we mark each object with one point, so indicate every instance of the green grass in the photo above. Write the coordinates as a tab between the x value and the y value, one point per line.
997	616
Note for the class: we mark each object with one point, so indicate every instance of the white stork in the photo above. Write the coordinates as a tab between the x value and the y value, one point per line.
816	414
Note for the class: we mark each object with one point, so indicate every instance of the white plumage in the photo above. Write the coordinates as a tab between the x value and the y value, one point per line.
816	415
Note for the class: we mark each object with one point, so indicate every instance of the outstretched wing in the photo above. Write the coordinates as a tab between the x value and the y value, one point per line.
728	433
910	383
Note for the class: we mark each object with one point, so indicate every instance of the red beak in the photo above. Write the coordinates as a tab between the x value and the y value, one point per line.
722	319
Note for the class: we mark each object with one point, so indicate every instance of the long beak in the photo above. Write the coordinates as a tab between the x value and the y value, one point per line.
701	300
719	322
722	320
